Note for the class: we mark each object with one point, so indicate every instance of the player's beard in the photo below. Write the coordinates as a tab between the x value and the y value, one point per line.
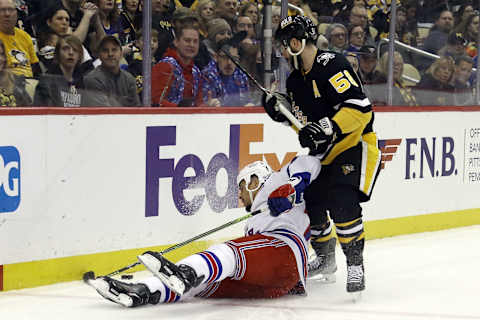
248	208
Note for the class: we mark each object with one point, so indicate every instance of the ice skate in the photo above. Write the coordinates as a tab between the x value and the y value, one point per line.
355	269
125	294
179	279
324	266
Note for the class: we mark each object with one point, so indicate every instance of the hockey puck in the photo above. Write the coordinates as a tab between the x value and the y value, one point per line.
90	275
127	276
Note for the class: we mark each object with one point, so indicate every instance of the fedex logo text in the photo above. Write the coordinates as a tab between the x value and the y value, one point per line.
9	179
436	155
204	173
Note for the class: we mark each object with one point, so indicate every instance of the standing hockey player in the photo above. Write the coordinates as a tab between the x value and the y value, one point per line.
328	98
268	262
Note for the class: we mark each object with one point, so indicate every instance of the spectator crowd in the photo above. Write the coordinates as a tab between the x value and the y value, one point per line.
75	53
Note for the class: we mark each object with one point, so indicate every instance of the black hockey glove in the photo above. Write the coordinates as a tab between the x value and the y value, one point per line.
270	104
318	136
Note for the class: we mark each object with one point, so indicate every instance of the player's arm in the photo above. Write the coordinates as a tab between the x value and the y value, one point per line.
302	170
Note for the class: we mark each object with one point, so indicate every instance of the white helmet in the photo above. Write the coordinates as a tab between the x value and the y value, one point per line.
260	169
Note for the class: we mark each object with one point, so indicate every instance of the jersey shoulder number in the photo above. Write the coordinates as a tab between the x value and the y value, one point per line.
342	81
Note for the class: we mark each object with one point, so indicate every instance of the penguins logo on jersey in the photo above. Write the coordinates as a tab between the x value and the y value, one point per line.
325	57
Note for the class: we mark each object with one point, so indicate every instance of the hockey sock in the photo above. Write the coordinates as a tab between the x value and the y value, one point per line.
156	285
351	237
321	233
216	263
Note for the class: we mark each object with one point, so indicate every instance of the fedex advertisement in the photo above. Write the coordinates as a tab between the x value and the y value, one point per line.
206	175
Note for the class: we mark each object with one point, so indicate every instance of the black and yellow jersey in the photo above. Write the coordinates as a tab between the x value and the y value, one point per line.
332	89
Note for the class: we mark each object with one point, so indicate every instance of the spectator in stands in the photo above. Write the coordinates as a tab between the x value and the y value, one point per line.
367	63
461	81
250	9
12	87
135	61
359	17
455	46
356	36
109	16
176	80
337	36
205	10
58	21
225	84
130	20
62	85
19	49
58	25
463	12
402	94
108	84
469	30
276	18
162	15
218	29
228	10
249	46
84	20
437	37
436	88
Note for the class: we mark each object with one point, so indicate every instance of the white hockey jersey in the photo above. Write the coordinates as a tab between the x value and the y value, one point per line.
293	226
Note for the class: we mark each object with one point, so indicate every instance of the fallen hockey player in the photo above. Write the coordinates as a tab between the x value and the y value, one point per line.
269	261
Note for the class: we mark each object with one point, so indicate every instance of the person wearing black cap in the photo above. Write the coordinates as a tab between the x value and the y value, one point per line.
367	62
110	85
455	46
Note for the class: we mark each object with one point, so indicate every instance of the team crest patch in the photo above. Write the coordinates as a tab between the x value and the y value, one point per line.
347	168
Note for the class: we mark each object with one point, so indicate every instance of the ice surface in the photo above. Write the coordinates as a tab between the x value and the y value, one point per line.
423	276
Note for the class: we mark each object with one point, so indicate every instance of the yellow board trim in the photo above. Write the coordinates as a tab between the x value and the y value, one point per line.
44	272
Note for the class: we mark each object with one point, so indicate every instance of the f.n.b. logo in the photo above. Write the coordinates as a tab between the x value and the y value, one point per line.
9	179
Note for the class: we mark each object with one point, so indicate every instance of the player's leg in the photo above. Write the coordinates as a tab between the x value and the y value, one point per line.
322	238
212	265
352	177
266	268
347	215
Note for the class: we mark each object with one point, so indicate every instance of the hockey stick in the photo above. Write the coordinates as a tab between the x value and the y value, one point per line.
90	275
283	110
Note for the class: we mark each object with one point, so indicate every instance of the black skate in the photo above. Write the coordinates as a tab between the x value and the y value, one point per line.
125	294
355	278
355	269
324	266
179	279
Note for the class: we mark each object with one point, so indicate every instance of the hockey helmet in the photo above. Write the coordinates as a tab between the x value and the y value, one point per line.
299	27
261	169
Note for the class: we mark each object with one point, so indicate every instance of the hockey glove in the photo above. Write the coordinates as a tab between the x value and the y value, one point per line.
270	104
281	199
318	136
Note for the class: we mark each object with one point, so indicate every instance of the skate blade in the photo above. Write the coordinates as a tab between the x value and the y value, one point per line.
154	265
103	288
356	296
323	278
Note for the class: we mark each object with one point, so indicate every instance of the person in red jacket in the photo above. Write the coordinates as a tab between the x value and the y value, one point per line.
176	80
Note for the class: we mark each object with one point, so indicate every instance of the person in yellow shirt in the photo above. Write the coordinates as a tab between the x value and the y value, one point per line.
20	52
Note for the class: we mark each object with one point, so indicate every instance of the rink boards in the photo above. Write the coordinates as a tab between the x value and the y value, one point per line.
90	189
